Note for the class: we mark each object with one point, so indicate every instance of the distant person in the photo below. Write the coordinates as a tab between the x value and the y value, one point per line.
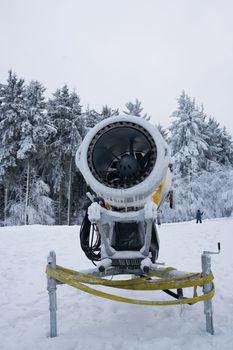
199	216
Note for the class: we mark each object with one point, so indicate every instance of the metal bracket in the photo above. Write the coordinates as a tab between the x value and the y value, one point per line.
218	252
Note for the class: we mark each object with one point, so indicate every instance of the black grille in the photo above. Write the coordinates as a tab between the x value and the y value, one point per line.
122	155
127	263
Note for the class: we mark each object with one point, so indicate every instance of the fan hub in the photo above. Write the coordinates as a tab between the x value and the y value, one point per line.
128	166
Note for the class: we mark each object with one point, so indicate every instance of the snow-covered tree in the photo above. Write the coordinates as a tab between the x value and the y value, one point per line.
187	142
40	207
135	109
11	110
220	144
33	132
212	131
64	112
108	112
91	117
163	131
202	166
226	145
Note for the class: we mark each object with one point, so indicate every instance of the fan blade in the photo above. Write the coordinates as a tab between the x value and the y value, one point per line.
106	151
116	157
131	151
144	159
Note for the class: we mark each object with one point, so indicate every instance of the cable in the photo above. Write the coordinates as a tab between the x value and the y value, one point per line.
89	243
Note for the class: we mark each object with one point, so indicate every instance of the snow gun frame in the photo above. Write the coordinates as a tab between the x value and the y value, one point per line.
158	278
125	161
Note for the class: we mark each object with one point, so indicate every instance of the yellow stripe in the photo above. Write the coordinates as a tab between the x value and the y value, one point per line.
140	283
157	194
76	279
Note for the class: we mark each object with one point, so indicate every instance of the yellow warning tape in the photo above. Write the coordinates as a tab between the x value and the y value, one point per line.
76	279
140	283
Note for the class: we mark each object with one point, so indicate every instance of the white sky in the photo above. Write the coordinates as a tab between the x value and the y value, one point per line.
114	51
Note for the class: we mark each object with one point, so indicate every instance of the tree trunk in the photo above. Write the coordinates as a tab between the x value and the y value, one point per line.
2	204
60	204
69	191
56	208
6	194
29	166
6	188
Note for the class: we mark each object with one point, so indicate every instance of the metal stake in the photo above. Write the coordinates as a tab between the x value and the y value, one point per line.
52	287
208	310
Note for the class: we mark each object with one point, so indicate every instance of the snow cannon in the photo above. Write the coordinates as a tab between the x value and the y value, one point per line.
124	159
125	162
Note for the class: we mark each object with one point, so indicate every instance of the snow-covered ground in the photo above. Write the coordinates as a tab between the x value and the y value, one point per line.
89	322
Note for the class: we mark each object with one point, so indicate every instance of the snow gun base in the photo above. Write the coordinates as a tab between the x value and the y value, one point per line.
143	277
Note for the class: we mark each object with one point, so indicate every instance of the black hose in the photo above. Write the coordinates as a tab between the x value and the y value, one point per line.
90	240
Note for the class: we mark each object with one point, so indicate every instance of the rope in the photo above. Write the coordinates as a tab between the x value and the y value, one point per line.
77	280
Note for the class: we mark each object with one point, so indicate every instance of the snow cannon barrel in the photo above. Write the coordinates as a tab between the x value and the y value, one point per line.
124	159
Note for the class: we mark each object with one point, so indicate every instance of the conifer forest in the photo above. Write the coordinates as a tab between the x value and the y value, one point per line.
39	137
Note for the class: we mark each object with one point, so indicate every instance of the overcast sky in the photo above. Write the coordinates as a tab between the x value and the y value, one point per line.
113	51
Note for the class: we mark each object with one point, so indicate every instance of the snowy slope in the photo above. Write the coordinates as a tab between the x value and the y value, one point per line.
88	322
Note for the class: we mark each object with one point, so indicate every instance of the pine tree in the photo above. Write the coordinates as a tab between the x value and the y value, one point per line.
108	112
33	133
40	207
11	111
187	143
135	109
213	131
226	145
163	131
202	164
220	145
64	112
91	118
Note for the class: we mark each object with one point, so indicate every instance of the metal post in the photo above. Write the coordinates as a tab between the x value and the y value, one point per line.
52	287
208	310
